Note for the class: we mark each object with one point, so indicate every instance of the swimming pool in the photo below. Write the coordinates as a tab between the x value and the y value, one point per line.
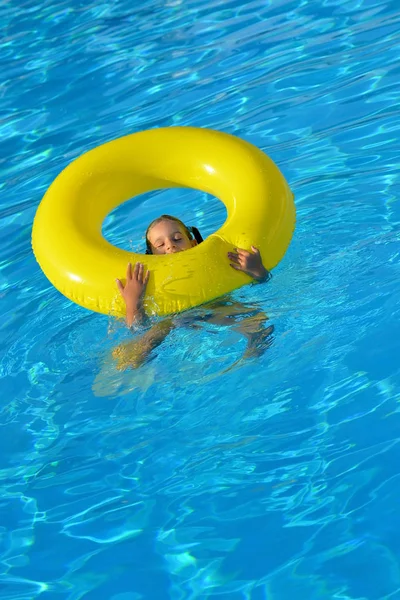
200	475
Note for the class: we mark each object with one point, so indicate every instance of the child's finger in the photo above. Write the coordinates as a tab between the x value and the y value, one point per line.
146	279
136	270
140	272
235	266
255	250
119	286
242	252
234	257
129	272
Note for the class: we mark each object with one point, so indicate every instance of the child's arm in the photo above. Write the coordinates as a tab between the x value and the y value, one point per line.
250	263
133	293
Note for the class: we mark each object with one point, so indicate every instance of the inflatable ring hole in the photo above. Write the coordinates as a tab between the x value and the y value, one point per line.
126	225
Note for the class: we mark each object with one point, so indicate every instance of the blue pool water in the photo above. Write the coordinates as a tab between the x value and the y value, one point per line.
200	475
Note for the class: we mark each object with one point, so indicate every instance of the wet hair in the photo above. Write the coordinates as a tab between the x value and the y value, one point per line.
191	232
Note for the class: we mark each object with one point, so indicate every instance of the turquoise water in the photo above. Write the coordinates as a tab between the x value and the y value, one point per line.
200	475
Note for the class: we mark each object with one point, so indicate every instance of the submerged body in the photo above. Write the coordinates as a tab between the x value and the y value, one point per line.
168	235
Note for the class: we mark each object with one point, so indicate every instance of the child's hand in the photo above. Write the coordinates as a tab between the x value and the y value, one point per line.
135	286
248	262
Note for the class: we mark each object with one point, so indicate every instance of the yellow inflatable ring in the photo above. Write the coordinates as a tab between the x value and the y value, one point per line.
80	263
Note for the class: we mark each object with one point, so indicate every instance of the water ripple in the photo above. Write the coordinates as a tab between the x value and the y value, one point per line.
201	474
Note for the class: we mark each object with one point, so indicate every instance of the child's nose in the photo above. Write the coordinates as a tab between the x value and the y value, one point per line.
170	245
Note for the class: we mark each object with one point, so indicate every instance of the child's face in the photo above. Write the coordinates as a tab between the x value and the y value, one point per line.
168	237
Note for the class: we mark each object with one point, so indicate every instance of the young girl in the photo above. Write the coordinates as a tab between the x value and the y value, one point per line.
167	235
